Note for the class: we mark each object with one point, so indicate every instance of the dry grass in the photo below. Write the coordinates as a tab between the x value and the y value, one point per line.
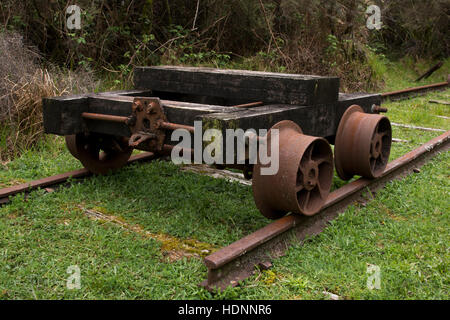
23	114
23	84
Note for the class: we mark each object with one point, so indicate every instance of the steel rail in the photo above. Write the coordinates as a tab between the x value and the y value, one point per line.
237	261
5	193
410	92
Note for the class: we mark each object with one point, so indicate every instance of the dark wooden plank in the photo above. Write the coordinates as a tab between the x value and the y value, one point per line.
62	114
365	100
321	120
430	71
176	111
239	85
315	120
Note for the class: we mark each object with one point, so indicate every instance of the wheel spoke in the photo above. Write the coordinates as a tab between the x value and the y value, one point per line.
323	194
383	158
321	161
308	195
302	169
373	162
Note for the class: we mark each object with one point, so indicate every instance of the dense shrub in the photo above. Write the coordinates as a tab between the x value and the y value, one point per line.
417	28
306	36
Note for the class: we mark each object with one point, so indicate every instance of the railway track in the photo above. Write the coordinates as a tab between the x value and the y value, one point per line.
237	261
59	179
414	92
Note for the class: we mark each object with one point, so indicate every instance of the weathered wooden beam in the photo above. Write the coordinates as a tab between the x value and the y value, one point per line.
365	100
439	102
62	114
407	126
319	120
315	120
239	86
176	111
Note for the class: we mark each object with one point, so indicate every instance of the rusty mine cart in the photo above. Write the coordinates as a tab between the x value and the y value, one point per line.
102	129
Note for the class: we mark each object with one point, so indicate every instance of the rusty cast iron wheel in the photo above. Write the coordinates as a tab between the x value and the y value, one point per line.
304	178
363	144
101	154
72	145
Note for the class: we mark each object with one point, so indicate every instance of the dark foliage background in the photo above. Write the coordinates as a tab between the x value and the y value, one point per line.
305	36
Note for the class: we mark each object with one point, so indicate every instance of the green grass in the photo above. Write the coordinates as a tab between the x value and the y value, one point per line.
50	157
403	231
402	74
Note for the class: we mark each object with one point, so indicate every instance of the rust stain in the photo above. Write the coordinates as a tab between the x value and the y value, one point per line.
172	248
390	213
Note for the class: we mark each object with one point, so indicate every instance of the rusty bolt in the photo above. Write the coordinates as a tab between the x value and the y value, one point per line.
138	106
131	121
378	109
151	109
